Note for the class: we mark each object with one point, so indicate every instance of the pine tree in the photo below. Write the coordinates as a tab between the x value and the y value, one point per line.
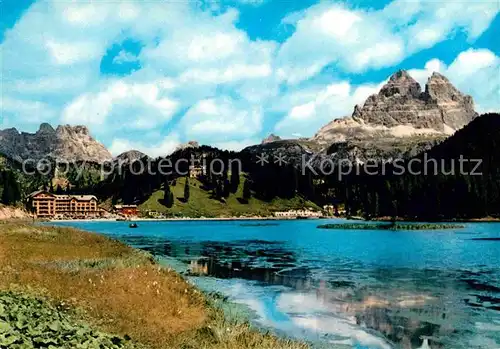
247	194
226	188
186	190
11	191
170	201
235	179
219	192
168	197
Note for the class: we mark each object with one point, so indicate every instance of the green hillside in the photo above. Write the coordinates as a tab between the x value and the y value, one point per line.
201	204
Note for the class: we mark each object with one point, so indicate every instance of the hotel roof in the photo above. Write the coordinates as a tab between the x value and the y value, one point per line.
65	197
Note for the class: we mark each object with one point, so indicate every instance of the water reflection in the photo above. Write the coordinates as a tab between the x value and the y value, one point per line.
411	308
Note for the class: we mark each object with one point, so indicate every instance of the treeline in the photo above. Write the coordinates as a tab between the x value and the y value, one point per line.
224	172
135	182
9	188
14	184
459	178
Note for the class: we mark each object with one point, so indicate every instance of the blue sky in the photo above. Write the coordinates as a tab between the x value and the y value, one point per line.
150	75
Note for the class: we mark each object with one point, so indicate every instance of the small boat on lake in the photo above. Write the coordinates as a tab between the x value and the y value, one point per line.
133	225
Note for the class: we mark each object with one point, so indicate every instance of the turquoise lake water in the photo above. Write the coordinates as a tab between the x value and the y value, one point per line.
363	289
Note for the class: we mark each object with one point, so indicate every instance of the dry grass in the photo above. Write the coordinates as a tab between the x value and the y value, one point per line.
118	289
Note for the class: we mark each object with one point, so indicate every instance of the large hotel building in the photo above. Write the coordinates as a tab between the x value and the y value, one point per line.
47	205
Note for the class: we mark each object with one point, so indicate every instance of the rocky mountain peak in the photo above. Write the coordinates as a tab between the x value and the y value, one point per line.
68	129
68	143
130	156
45	128
401	83
271	138
401	102
188	145
440	88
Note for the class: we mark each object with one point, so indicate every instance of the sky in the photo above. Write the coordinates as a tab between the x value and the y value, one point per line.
150	75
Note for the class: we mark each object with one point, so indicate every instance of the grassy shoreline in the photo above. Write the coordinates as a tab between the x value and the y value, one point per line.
487	219
114	289
391	226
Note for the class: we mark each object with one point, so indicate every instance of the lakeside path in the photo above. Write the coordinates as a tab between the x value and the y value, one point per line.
83	280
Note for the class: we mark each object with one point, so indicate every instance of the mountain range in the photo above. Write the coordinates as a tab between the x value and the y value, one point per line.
400	120
65	143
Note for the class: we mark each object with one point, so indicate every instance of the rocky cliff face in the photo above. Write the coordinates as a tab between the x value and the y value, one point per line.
68	143
440	107
399	121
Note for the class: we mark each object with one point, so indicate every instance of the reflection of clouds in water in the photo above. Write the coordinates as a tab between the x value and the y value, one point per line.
301	315
262	302
483	329
481	342
310	313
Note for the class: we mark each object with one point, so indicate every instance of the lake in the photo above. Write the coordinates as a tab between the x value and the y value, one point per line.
358	289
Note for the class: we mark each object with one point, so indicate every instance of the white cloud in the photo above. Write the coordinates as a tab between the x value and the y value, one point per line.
236	72
161	148
84	14
216	43
237	145
124	57
71	53
221	120
333	101
474	72
436	20
39	111
252	2
150	108
357	40
46	85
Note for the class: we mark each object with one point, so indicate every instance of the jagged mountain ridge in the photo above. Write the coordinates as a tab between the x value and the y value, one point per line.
401	102
66	143
400	109
400	120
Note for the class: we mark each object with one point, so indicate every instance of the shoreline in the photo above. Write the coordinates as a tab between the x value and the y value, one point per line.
97	267
228	219
451	220
188	219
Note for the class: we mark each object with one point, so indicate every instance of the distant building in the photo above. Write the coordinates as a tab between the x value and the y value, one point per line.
197	171
334	209
330	210
47	205
127	210
307	213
